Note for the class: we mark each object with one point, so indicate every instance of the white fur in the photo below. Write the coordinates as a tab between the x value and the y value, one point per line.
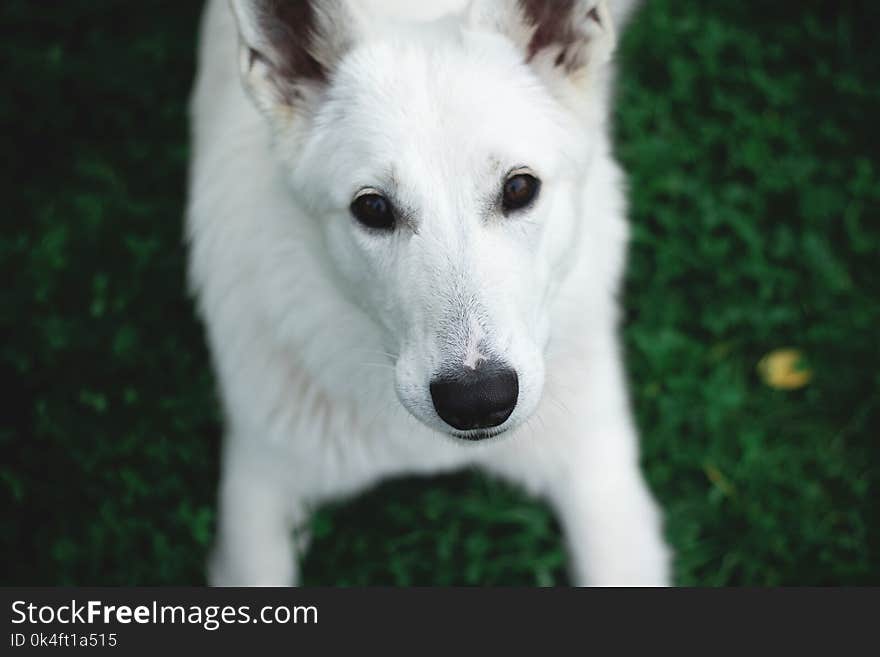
324	336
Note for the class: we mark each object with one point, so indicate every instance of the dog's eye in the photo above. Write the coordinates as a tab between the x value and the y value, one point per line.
373	210
519	191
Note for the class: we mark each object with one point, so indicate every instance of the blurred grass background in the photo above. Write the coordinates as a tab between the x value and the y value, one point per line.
750	131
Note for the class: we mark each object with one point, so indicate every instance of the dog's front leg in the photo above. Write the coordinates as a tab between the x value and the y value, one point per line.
611	522
592	479
254	545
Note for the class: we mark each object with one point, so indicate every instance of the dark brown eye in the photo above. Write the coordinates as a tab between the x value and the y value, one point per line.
374	211
519	191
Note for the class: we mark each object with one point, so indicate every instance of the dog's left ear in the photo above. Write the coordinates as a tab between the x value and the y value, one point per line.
289	49
563	40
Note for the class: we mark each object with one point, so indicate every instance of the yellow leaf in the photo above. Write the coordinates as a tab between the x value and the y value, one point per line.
784	369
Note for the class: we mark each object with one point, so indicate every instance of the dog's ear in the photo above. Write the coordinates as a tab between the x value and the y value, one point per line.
561	39
288	49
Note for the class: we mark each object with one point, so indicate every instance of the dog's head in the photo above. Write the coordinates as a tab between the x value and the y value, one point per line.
445	163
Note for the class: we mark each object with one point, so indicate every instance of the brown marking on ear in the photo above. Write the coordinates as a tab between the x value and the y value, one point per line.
289	27
554	24
552	21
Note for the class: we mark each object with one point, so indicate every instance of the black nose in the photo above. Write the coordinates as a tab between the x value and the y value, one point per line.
476	399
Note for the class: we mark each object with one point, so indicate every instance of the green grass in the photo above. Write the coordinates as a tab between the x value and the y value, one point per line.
751	136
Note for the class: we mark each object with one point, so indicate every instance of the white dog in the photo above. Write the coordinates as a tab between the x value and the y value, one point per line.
407	234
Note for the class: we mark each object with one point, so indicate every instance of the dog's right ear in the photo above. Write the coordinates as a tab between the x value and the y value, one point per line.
566	42
289	48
